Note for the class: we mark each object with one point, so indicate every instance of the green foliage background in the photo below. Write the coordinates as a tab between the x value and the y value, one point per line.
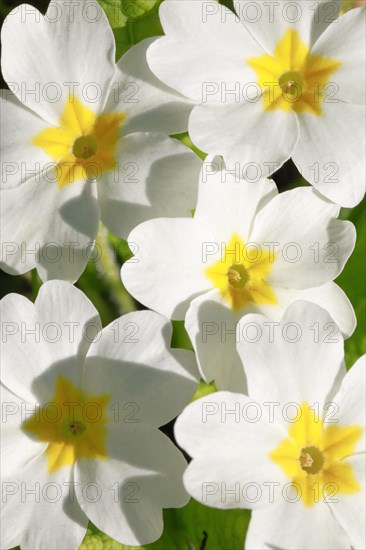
194	527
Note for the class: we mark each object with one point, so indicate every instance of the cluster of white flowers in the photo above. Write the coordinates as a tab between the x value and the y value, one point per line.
250	270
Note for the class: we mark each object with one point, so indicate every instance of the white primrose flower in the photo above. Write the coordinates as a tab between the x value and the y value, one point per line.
80	139
81	408
280	79
294	451
248	249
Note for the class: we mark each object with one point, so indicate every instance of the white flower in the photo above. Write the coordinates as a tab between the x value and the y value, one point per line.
282	79
78	142
247	249
294	451
92	448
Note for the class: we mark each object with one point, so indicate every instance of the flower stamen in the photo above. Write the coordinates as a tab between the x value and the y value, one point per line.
237	276
85	147
77	428
291	83
311	460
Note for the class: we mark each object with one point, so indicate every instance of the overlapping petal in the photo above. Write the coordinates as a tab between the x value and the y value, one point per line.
80	56
351	392
142	474
132	363
239	130
312	247
60	241
267	21
170	252
265	527
223	200
156	176
51	517
304	350
150	105
46	339
348	82
223	425
336	166
20	158
190	61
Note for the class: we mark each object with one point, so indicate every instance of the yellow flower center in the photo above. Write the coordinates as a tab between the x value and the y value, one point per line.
314	457
241	273
73	424
293	77
83	145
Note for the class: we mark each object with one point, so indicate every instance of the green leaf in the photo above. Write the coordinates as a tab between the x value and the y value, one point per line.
121	12
135	9
204	389
96	540
132	21
180	338
228	3
197	527
352	280
113	10
194	527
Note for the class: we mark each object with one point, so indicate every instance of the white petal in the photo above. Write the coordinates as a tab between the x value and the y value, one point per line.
20	159
311	247
43	513
167	270
17	449
211	326
228	204
349	79
133	363
268	21
287	524
157	176
71	49
229	440
252	141
149	104
141	475
350	510
292	361
203	50
349	402
46	339
336	166
330	297
23	355
58	241
63	304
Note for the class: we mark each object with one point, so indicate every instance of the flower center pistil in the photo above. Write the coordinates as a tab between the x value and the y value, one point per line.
237	276
311	460
85	147
77	428
291	83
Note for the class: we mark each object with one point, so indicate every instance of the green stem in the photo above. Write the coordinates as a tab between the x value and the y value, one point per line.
35	282
110	272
